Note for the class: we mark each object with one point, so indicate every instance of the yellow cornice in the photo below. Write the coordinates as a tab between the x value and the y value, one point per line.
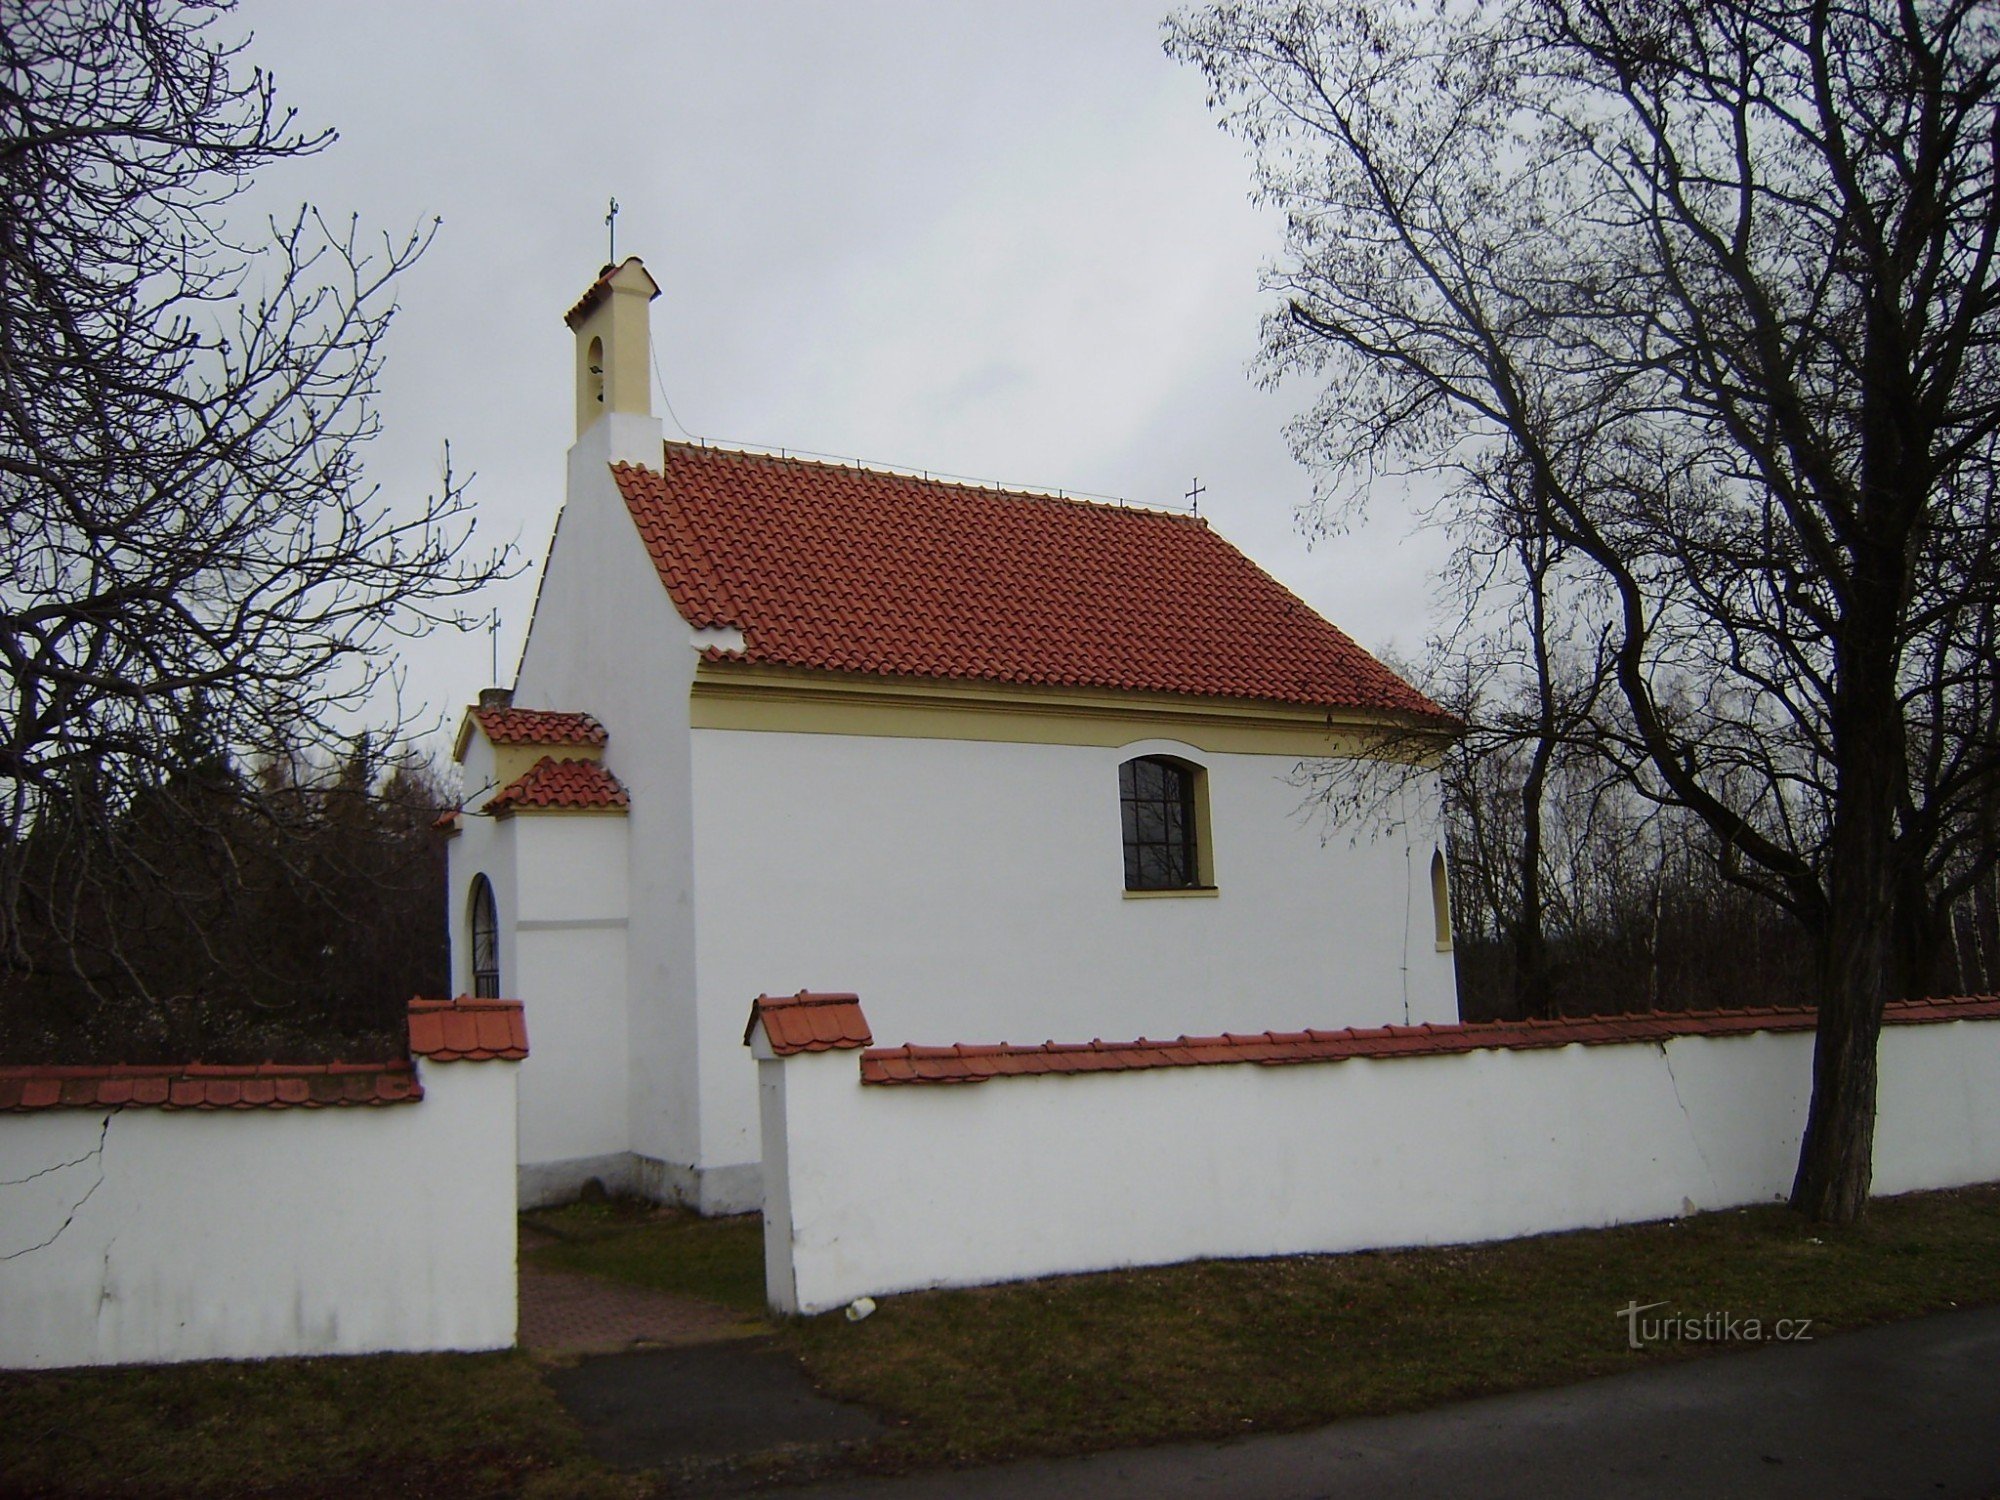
754	696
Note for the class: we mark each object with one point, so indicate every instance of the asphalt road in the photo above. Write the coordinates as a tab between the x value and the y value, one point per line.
1905	1410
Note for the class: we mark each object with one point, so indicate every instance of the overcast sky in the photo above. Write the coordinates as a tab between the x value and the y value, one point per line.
995	238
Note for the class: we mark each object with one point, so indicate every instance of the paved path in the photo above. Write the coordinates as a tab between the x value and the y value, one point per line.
564	1312
1905	1410
672	1382
716	1402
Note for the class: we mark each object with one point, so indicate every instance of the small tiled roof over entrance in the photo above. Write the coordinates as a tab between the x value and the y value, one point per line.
848	569
578	785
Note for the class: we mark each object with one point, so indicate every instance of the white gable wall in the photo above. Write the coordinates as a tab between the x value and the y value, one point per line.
973	891
606	640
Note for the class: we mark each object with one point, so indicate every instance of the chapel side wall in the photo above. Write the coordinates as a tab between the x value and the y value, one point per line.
606	640
973	891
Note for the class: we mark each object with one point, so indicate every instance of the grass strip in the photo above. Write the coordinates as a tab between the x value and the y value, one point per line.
390	1424
662	1249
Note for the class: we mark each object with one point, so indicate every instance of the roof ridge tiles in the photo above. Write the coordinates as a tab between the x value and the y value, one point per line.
928	480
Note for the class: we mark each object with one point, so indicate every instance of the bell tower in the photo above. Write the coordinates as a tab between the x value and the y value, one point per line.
614	361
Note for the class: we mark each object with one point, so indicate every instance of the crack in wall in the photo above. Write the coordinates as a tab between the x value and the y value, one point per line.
97	1151
74	1161
1694	1136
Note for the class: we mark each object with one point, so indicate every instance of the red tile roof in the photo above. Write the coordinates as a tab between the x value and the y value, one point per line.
560	783
538	726
976	1064
468	1030
807	1022
461	1030
857	570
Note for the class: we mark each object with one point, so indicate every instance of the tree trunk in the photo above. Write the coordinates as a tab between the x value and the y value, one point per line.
1861	963
1837	1157
1867	944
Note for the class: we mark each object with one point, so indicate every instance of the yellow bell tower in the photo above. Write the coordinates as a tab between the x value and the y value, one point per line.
614	344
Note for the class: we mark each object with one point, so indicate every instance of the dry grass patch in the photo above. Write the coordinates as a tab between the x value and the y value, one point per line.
387	1425
664	1249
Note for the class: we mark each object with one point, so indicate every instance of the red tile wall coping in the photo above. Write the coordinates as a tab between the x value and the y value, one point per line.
440	1030
468	1030
809	1022
209	1086
975	1064
538	726
552	783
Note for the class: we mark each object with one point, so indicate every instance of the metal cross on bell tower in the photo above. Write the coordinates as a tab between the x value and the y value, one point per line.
611	234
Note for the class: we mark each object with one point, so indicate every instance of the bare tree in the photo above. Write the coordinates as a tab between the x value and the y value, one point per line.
194	574
1721	277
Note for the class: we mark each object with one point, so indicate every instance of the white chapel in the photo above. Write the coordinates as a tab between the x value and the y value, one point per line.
1008	766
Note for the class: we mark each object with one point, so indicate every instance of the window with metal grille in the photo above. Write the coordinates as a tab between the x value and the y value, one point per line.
1157	801
485	940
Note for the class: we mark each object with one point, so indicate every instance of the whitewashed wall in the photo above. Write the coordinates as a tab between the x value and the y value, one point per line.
873	1189
146	1235
569	942
607	641
975	892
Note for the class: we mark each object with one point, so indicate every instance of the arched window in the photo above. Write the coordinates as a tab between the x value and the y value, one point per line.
485	941
1160	800
595	370
1441	900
